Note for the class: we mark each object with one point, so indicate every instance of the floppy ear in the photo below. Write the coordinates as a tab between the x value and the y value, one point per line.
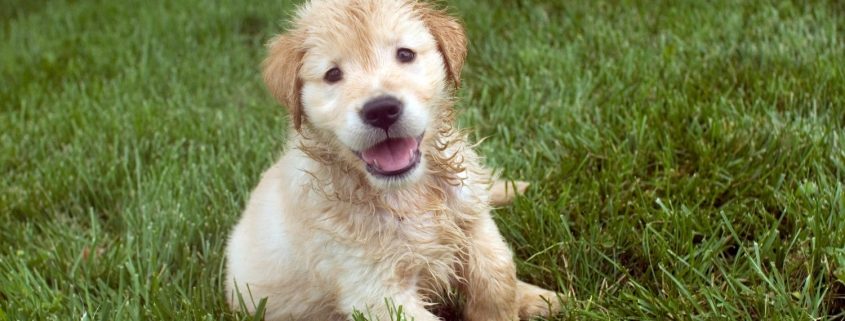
451	40
281	74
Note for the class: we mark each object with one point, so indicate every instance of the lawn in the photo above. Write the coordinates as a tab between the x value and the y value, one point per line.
688	157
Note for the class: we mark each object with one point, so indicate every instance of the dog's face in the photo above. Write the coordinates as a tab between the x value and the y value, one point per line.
370	75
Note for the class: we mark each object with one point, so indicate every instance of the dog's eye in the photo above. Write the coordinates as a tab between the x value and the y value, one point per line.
333	75
405	55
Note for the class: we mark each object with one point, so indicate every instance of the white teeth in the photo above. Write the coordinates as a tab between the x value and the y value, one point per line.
411	153
375	163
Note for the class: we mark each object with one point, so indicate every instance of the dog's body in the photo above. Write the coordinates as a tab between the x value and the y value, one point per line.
377	197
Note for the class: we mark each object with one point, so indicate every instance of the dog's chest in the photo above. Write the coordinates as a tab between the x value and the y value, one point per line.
428	250
421	233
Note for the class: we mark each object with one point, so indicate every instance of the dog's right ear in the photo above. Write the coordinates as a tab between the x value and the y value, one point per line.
281	74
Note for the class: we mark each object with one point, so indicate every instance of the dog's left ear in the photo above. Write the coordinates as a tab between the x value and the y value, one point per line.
450	37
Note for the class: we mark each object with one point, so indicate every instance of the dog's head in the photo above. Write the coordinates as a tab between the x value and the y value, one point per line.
370	75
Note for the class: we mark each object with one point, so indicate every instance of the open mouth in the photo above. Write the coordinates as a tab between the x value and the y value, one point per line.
393	156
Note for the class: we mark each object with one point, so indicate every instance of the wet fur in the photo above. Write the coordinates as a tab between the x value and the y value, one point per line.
319	237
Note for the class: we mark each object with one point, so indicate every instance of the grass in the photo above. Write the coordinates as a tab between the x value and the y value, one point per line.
687	156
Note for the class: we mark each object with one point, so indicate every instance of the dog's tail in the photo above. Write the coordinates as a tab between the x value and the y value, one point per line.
503	192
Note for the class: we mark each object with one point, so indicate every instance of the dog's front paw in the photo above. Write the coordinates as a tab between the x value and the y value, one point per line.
534	301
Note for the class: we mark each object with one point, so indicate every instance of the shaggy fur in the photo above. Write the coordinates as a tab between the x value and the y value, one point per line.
322	235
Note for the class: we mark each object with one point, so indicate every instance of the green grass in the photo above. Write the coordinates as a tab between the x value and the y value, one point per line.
687	156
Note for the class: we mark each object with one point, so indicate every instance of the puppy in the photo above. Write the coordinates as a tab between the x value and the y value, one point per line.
378	197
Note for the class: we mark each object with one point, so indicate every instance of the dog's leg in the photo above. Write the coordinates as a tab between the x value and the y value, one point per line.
535	301
503	192
489	275
377	303
492	289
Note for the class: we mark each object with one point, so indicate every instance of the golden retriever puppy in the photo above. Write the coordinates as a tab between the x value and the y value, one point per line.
378	197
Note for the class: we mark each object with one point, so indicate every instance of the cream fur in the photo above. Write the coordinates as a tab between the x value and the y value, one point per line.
321	236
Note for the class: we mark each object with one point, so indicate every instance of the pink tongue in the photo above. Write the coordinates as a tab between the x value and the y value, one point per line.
391	155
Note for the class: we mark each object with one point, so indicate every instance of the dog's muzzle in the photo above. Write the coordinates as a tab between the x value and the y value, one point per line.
393	156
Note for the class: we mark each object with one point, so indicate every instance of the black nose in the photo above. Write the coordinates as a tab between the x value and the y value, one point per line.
382	111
